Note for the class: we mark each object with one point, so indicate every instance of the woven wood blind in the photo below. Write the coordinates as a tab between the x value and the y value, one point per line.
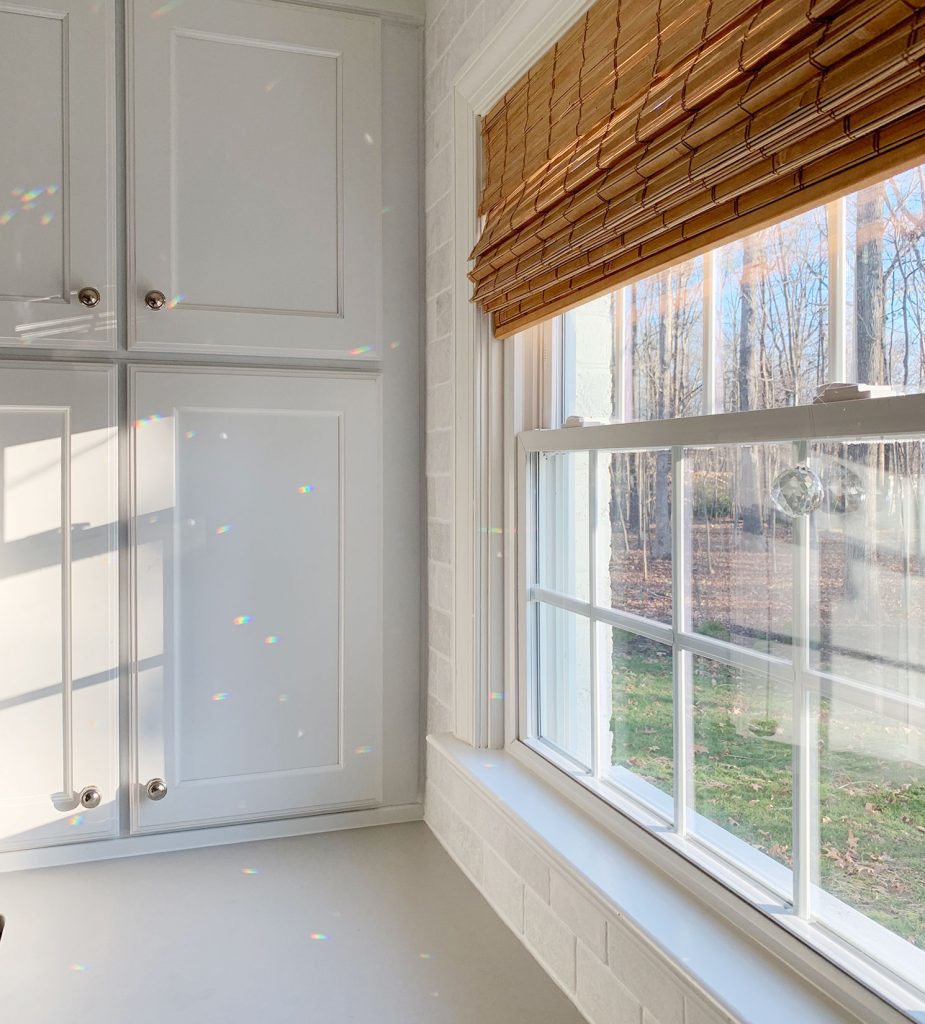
656	128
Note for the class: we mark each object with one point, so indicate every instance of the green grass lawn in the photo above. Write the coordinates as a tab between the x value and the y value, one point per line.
872	799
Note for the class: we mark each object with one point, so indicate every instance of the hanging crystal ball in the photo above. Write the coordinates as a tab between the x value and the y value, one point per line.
797	491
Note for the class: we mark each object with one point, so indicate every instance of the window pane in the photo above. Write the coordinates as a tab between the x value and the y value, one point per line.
666	343
564	691
741	559
867	605
872	818
743	769
641	719
634	532
564	554
589	352
774	314
885	248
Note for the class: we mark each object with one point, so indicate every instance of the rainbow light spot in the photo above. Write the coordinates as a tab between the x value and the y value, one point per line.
7	216
250	871
362	750
52	189
171	5
222	530
242	620
218	697
318	937
46	219
77	819
394	345
496	695
282	698
175	301
271	640
155	417
189	435
29	206
306	489
77	968
16	192
360	350
424	956
33	193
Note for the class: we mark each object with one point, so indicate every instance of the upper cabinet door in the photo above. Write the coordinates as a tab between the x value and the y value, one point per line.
57	174
254	163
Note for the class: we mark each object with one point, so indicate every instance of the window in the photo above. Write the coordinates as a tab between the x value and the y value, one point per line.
724	584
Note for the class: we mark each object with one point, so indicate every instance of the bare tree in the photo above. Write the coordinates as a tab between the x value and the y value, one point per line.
748	371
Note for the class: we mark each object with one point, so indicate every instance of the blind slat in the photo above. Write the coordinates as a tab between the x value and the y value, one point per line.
650	129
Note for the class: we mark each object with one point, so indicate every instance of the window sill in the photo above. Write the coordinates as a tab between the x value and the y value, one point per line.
717	943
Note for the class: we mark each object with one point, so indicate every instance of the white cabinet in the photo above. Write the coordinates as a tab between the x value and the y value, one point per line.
252	666
59	657
255	180
257	584
57	181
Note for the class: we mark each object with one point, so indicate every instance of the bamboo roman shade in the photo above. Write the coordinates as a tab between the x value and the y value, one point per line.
656	128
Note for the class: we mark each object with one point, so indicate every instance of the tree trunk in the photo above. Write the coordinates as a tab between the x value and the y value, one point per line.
868	283
748	374
662	546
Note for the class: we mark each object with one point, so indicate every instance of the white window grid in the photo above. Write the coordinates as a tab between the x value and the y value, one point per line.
877	420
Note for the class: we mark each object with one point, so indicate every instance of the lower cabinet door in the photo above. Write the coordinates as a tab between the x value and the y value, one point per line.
59	611
256	552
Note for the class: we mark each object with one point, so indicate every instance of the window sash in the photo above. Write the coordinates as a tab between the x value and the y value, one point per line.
871	420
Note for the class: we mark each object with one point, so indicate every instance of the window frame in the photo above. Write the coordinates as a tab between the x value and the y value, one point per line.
516	377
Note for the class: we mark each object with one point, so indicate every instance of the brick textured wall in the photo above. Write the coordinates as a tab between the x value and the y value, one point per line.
601	962
454	31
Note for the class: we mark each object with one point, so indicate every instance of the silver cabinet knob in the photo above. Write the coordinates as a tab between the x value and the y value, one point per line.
90	797
155	300
156	789
89	297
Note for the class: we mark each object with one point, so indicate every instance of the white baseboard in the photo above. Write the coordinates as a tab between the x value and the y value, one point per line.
168	842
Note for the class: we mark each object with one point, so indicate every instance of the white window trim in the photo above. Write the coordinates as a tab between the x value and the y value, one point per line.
527	29
488	416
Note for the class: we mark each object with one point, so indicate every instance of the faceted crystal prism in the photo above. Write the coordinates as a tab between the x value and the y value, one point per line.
797	491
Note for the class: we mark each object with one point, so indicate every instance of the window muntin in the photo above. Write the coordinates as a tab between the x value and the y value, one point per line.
747	668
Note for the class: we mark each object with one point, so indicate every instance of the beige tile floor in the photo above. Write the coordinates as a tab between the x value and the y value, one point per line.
375	925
